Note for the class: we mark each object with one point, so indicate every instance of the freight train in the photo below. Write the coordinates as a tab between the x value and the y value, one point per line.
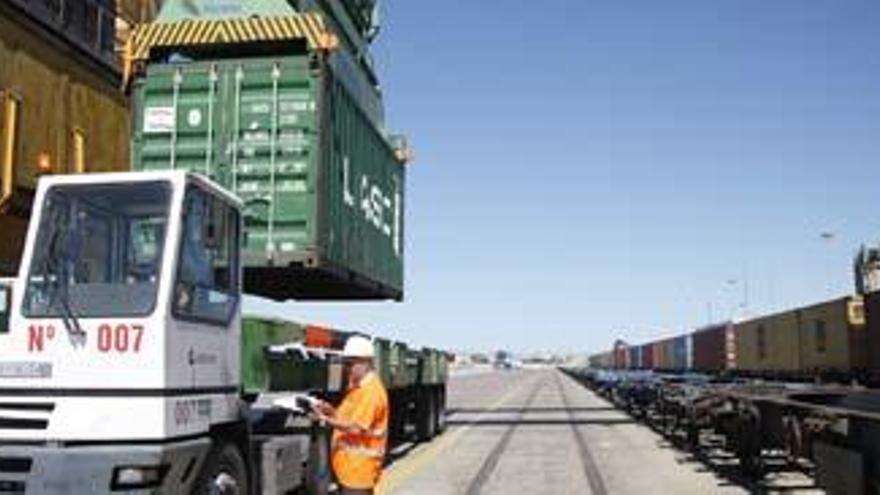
800	382
825	341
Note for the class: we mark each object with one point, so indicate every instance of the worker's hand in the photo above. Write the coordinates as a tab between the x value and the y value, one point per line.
322	407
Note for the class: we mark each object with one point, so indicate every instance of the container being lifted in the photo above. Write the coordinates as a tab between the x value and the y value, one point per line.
265	106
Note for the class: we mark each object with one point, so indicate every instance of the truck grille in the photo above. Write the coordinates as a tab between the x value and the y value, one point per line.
25	415
12	468
15	464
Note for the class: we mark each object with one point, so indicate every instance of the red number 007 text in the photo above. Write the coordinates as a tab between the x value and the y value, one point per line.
120	338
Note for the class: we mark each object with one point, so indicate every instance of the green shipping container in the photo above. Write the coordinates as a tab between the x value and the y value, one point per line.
391	364
256	335
264	371
322	187
435	367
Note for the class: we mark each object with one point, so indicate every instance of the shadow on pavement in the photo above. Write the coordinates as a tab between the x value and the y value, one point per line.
539	422
710	458
501	410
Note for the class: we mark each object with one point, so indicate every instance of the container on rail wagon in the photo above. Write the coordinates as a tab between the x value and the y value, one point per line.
711	352
635	357
648	356
657	354
621	355
680	351
768	343
872	317
667	354
833	336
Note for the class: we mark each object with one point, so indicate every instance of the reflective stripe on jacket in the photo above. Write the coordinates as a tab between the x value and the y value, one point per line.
357	457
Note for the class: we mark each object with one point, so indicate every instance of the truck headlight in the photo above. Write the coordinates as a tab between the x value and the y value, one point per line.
131	477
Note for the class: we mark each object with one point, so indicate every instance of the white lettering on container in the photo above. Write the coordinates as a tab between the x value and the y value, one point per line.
374	204
159	120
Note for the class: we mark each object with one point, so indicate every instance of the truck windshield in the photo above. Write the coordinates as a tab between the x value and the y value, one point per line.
98	251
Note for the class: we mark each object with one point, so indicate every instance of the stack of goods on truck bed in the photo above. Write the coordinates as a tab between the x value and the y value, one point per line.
279	106
279	356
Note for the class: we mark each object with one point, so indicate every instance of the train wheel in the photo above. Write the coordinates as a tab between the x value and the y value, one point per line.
748	443
794	443
692	433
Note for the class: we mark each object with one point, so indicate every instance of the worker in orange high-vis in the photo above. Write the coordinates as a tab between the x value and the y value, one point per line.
360	422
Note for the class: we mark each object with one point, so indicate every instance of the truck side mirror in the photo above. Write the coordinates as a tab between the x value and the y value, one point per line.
5	308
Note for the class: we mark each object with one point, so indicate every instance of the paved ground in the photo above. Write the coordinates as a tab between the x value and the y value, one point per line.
540	432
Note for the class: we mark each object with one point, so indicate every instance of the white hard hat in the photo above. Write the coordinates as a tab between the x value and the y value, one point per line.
358	347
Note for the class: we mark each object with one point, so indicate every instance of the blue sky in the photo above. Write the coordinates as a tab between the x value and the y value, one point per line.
588	170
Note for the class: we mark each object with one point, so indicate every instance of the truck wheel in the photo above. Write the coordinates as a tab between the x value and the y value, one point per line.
223	473
426	420
317	480
440	424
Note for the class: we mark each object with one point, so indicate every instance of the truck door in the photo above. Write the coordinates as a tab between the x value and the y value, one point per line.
206	292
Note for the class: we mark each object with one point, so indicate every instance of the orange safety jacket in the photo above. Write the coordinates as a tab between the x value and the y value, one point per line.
357	458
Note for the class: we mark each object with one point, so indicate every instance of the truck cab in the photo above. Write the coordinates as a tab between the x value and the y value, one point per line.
119	339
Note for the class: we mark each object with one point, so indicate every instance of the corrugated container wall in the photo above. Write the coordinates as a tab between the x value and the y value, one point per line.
832	336
709	348
680	353
435	368
667	354
621	355
872	316
256	335
689	341
648	356
322	188
635	358
656	358
60	111
769	343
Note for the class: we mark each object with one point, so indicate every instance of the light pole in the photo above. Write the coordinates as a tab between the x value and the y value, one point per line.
829	237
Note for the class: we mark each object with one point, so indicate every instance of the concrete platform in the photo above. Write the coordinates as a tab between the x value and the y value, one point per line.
538	431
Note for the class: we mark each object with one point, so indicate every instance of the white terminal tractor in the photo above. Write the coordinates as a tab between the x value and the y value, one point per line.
119	340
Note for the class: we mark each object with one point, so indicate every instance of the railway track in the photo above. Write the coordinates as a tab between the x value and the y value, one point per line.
591	469
541	432
561	403
490	464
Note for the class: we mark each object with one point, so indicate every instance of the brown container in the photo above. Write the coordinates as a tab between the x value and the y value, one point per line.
667	354
710	349
769	343
832	336
621	355
825	337
12	232
60	112
872	317
649	356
